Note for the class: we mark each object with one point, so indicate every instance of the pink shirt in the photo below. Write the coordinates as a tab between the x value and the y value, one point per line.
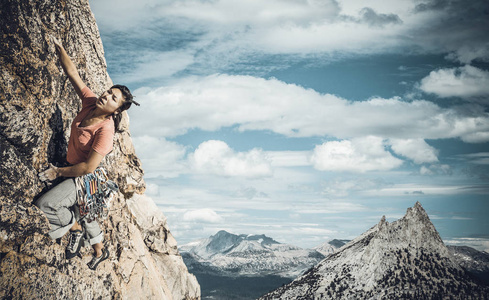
99	136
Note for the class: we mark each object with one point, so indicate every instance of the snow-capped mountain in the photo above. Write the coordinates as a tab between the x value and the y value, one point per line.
329	247
237	255
474	261
405	259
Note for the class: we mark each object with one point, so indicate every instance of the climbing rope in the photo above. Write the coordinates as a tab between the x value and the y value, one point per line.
94	194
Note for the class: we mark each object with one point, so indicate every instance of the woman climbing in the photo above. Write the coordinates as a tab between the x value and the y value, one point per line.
91	138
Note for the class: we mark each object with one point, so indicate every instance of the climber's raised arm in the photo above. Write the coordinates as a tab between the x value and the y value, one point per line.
69	67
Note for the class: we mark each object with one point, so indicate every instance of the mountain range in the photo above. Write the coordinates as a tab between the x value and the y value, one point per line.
248	255
243	267
405	259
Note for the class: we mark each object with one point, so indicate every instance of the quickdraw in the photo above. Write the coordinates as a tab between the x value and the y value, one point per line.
94	193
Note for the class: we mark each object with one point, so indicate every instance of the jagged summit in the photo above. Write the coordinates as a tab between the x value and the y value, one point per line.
403	259
417	211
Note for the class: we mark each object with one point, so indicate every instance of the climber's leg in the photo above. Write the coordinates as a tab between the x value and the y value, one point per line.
98	249
94	234
56	205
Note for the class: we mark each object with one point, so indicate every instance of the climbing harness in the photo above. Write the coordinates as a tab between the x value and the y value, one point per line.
94	193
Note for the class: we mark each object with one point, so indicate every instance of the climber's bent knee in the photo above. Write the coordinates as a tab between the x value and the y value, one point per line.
58	231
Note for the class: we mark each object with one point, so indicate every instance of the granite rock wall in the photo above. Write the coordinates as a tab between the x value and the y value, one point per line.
37	106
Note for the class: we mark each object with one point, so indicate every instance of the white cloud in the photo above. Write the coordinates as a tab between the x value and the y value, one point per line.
251	12
217	101
476	137
160	157
219	33
468	53
216	157
481	244
156	64
435	169
152	189
465	82
415	149
289	158
425	171
357	155
202	215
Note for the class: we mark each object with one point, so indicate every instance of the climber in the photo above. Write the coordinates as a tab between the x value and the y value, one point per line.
91	138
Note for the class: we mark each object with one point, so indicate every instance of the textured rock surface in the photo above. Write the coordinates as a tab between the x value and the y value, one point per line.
405	259
37	105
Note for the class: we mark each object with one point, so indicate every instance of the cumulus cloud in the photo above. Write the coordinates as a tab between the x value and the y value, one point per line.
443	25
219	33
357	155
435	169
216	157
465	82
415	149
289	158
152	189
251	12
204	215
155	64
160	157
217	101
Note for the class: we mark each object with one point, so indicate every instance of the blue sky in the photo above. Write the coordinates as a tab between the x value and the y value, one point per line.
307	120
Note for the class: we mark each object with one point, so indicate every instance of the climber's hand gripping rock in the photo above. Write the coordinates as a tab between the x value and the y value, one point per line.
49	174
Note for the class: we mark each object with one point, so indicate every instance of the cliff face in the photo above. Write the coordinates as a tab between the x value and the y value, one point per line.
37	105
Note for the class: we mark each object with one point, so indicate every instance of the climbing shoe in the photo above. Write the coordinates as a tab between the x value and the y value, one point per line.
74	244
96	260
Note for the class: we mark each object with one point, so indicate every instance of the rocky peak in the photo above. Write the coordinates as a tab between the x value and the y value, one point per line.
329	247
338	243
382	222
403	259
37	106
417	213
222	241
